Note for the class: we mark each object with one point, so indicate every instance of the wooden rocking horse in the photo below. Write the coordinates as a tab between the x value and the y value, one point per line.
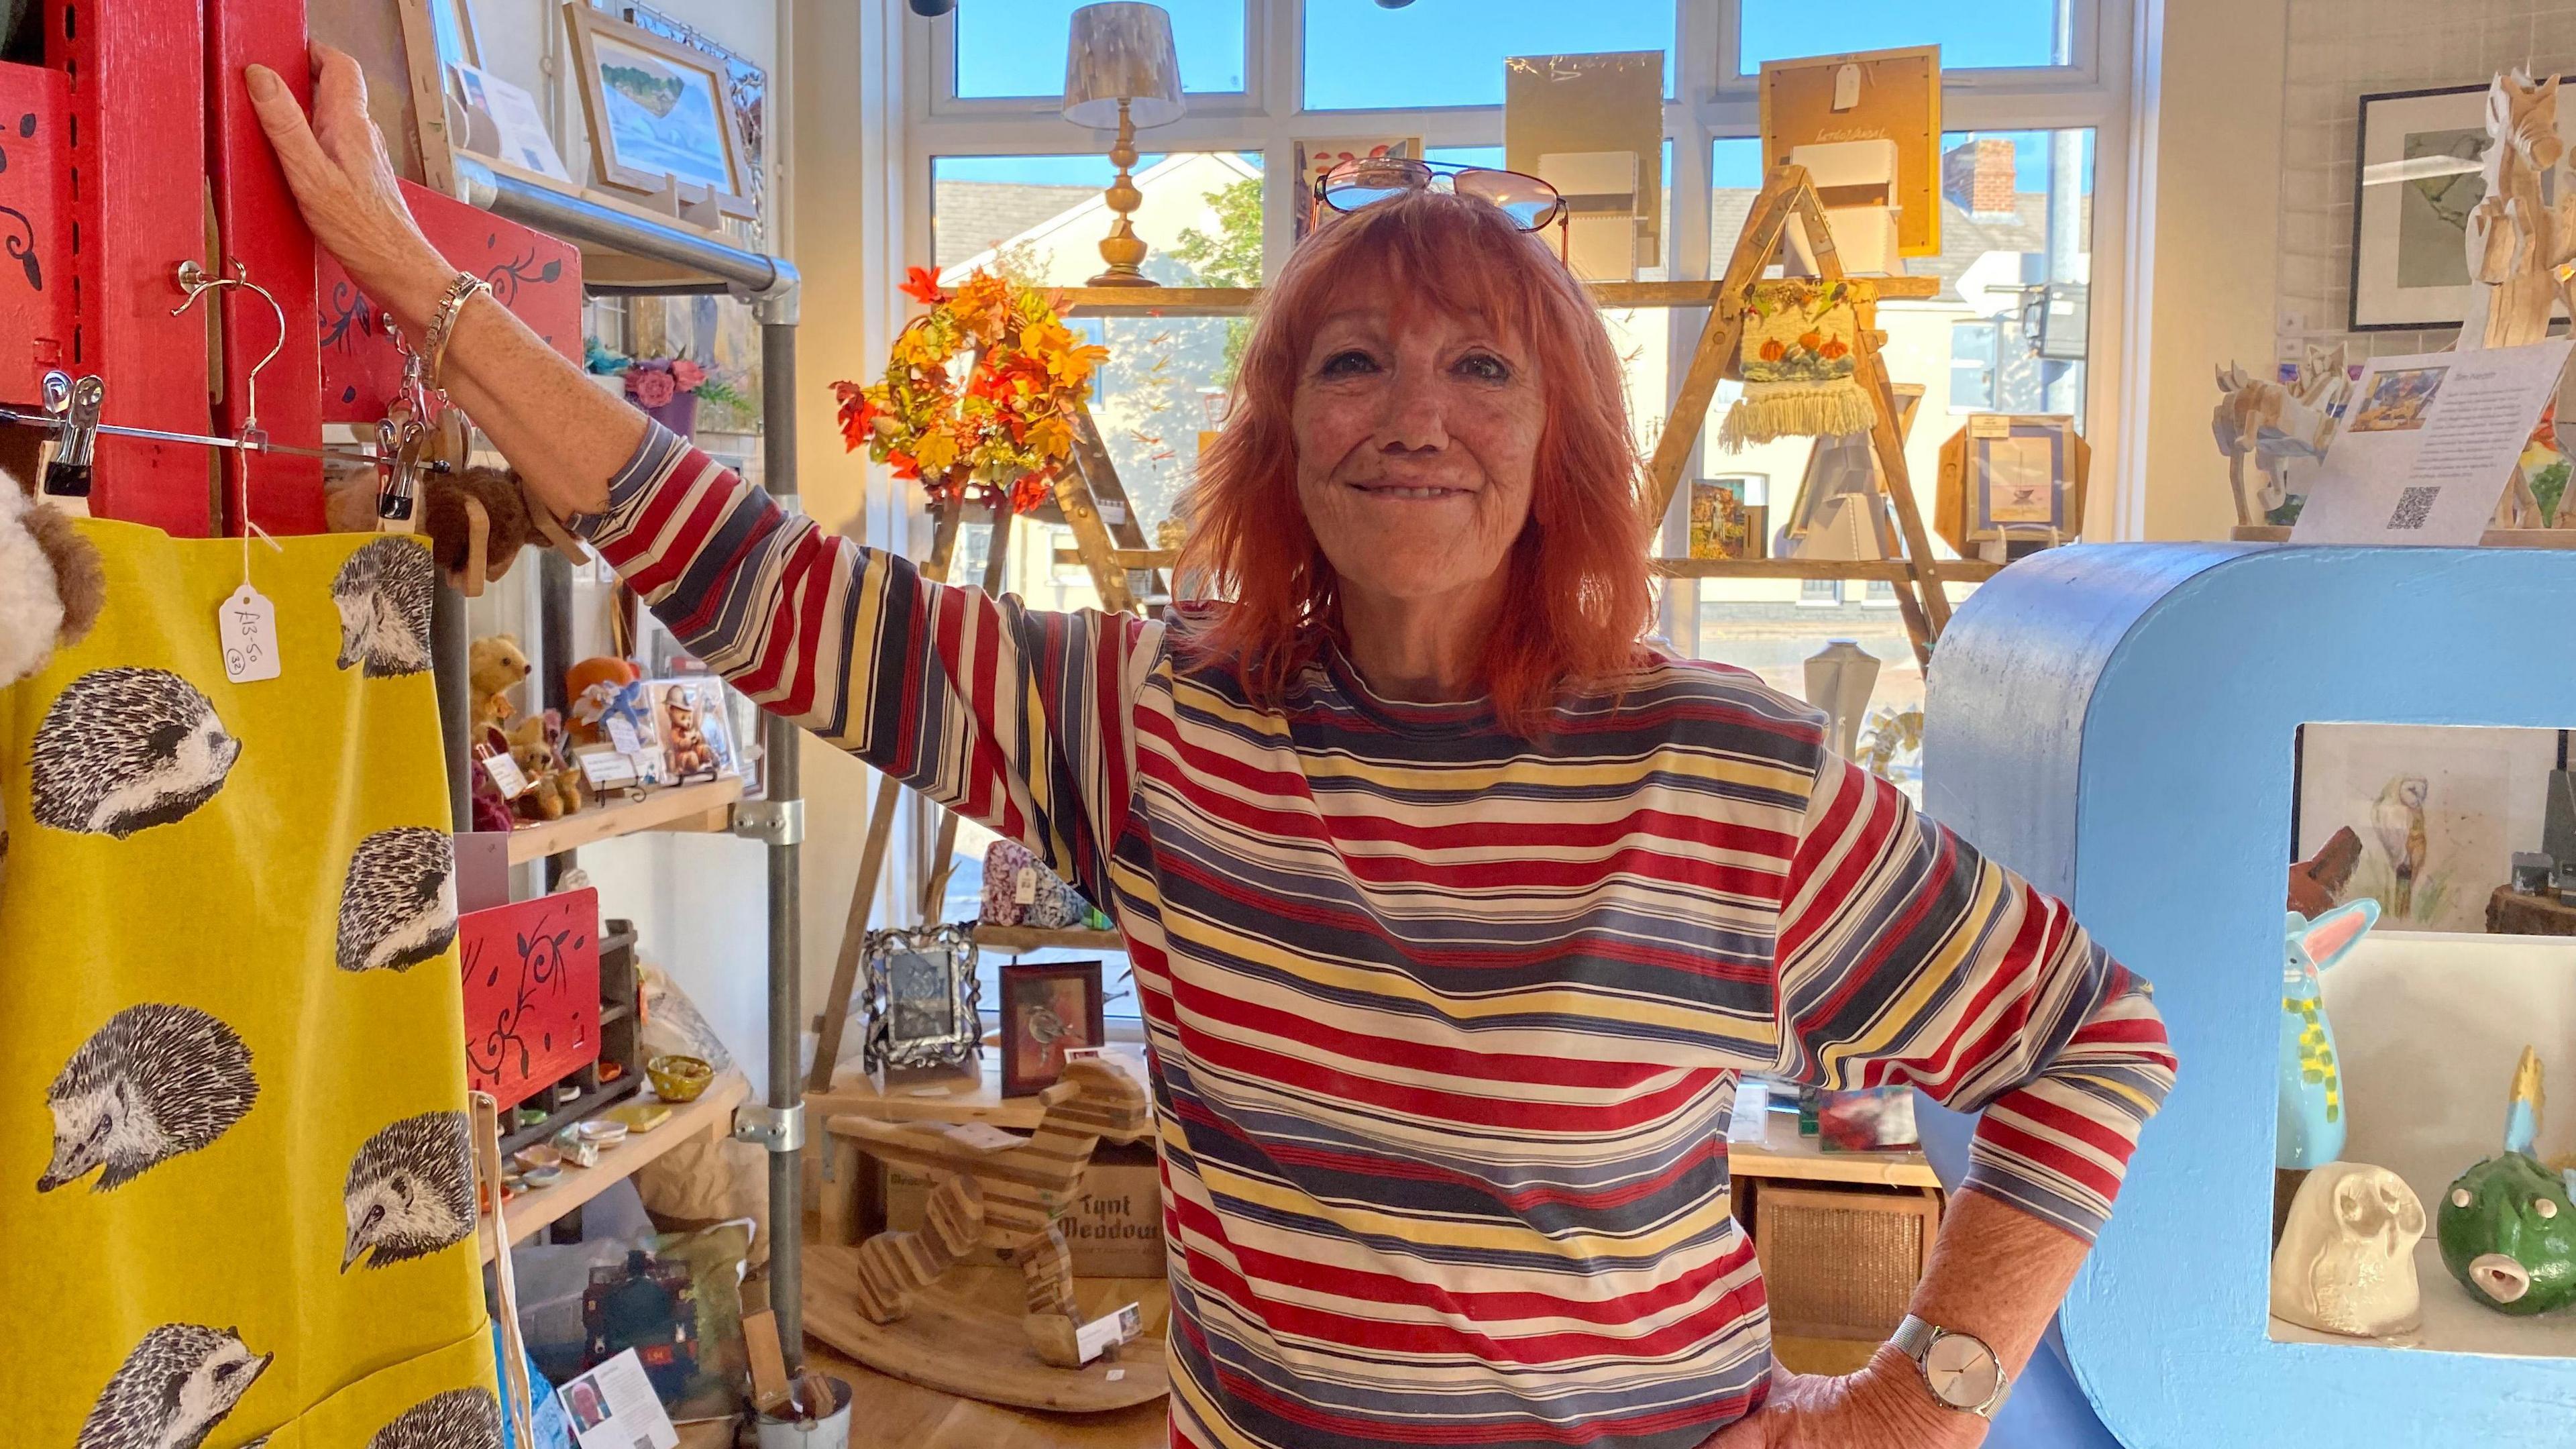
1010	1200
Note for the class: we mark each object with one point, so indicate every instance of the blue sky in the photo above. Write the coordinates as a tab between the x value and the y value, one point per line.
1450	52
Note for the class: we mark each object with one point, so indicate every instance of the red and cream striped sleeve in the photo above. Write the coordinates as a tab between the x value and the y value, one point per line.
1015	717
1906	957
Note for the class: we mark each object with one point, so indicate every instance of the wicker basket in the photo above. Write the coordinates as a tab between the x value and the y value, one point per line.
1842	1264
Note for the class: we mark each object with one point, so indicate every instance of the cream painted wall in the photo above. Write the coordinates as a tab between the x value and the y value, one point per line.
2205	195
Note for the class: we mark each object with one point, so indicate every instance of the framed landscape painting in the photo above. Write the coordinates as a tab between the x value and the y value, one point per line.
659	112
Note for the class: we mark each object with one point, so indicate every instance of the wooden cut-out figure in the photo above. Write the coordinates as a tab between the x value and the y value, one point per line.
1010	1199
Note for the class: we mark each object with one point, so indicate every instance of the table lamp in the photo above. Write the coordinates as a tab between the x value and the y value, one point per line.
1120	67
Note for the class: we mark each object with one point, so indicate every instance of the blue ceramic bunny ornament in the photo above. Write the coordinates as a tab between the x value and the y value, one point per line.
2311	1122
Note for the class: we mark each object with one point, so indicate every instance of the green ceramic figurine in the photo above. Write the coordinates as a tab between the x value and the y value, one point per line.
2508	1225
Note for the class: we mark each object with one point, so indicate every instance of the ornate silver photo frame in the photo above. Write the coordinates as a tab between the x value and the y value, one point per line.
923	1001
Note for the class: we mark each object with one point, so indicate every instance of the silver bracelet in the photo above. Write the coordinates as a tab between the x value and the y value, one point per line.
442	323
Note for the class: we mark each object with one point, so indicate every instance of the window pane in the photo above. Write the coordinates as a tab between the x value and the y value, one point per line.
1040	218
1016	47
1492	156
1361	57
1972	34
2015	266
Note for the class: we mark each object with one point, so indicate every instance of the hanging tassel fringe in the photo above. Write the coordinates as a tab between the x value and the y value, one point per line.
1771	410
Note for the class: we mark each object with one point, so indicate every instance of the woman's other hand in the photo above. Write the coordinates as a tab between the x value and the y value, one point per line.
343	183
1883	1406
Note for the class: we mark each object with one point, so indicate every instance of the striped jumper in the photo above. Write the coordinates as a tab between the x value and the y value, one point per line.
1444	1024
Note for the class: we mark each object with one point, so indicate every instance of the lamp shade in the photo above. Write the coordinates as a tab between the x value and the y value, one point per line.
1121	52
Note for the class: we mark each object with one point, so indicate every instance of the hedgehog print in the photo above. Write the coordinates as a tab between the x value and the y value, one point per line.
176	1386
155	1082
384	592
398	900
410	1191
122	750
457	1419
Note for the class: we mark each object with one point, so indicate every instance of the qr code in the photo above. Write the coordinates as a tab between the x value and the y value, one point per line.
2414	506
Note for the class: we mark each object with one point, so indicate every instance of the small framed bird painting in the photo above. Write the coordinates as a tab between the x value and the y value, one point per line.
1048	1008
2440	811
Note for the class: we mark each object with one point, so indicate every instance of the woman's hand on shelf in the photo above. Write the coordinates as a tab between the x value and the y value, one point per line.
343	183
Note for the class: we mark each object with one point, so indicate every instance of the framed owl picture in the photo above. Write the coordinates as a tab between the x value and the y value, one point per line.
1048	1008
2440	811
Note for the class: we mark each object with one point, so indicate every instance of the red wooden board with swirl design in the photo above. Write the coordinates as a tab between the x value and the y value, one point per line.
35	230
531	273
531	993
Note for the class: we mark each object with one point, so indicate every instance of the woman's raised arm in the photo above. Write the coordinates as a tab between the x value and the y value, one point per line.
562	433
1015	717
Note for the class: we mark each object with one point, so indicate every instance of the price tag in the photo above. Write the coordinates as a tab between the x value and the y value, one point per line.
1846	87
246	630
1989	425
984	1137
606	769
621	733
506	776
1024	886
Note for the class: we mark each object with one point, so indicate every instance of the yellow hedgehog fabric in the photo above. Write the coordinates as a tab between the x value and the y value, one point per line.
233	1149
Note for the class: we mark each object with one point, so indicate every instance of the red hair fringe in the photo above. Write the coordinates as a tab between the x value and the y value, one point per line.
1578	585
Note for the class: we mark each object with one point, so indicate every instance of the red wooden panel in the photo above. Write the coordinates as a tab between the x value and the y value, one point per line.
256	217
531	992
532	274
137	71
35	229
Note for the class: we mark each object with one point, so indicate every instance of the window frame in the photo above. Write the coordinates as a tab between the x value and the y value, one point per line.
1710	103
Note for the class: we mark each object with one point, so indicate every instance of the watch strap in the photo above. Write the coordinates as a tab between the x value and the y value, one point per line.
1913	1338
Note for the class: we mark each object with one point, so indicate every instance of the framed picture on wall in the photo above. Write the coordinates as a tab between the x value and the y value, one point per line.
660	112
2418	175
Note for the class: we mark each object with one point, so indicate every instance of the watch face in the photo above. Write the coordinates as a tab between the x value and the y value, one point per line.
1962	1371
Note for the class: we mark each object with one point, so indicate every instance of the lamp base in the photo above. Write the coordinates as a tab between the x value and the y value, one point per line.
1122	277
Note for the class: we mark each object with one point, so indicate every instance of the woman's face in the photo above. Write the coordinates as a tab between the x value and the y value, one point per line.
1417	438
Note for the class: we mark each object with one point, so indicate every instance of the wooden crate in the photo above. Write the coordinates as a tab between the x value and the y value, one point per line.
1842	1263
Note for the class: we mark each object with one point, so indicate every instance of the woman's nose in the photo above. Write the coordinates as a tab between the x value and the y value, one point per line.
1414	419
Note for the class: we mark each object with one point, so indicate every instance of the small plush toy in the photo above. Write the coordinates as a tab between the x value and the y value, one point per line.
51	583
2508	1225
493	667
554	791
592	686
448	518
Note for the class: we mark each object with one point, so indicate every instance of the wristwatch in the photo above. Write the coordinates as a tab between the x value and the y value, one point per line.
1960	1370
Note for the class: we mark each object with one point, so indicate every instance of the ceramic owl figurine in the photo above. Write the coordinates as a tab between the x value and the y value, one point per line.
2346	1263
2508	1225
2310	1128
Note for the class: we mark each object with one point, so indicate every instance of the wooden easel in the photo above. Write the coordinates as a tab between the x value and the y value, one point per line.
1905	543
872	857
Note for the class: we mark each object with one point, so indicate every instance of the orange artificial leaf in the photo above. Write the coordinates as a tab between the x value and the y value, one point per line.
922	285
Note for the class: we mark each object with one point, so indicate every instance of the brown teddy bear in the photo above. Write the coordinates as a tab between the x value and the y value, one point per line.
554	789
52	585
494	666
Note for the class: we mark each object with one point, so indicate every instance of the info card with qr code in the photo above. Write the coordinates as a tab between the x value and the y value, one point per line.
614	1407
2429	445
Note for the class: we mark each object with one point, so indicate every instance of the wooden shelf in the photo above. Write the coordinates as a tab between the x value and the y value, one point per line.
1038	938
2494	537
1239	301
679	807
1783	1154
1953	570
709	1116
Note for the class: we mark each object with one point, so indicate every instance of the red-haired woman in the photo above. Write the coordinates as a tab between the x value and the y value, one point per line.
1455	910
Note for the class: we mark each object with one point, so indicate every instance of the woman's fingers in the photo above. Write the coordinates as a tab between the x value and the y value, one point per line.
288	131
340	108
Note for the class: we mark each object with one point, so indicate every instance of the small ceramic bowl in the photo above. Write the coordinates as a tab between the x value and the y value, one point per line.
540	1156
678	1078
536	1177
601	1133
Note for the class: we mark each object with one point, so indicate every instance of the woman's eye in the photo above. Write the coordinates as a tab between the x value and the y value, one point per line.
1485	367
1347	361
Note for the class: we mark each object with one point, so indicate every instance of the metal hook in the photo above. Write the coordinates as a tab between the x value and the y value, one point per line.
196	281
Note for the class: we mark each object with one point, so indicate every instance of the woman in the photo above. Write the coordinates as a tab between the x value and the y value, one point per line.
1454	910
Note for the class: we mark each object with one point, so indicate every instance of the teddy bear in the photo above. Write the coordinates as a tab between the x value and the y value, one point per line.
554	789
494	666
52	584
